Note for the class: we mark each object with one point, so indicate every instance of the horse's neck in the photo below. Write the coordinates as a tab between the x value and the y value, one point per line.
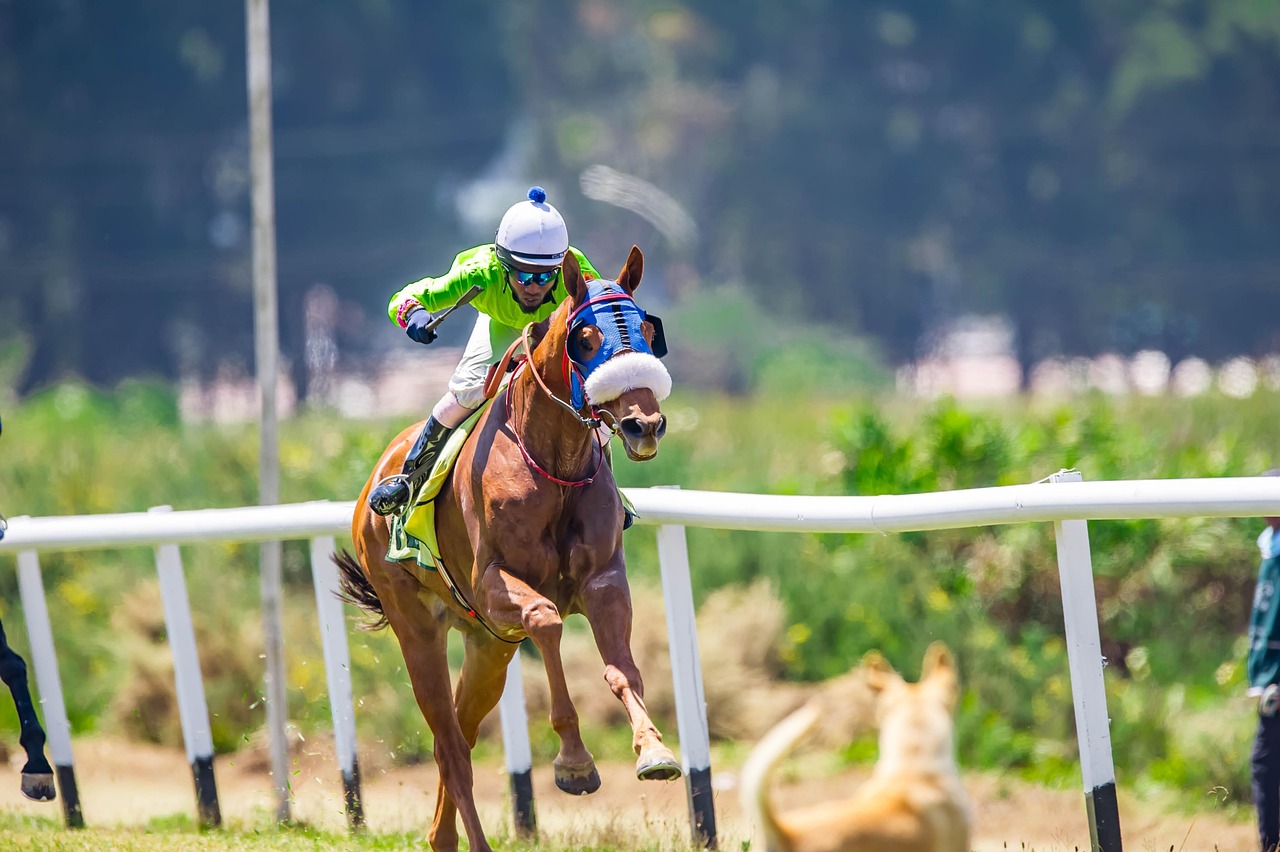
555	437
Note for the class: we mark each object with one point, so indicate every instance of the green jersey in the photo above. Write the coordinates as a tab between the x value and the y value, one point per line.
479	265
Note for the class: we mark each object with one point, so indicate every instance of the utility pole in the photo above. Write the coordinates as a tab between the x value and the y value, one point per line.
267	350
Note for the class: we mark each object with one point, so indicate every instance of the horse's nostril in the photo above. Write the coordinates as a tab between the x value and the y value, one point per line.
662	427
632	427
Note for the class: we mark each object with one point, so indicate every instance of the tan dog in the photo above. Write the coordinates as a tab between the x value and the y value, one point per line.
913	801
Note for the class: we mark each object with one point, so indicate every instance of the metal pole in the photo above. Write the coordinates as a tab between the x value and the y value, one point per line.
193	710
337	667
1084	657
686	671
45	660
265	322
519	754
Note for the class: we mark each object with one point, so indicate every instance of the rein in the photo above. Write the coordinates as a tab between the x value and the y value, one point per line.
494	380
589	422
528	458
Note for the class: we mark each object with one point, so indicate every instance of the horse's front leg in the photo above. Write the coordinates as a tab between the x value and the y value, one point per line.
37	774
508	600
484	673
607	603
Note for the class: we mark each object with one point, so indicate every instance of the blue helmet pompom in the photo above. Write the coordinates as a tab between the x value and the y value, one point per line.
537	194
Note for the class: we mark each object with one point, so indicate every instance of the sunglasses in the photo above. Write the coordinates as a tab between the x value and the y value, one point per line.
537	279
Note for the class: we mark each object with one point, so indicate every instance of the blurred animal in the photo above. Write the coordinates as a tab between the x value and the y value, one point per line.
913	801
530	529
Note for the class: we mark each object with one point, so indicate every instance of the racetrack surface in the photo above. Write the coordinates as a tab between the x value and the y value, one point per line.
129	784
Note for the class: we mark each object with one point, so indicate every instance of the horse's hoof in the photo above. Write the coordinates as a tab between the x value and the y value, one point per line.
38	786
659	766
577	780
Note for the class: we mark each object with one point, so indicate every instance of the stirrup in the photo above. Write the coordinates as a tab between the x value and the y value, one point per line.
390	494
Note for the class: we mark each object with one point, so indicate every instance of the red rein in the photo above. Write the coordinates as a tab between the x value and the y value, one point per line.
571	483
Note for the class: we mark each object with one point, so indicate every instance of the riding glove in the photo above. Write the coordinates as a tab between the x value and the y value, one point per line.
416	325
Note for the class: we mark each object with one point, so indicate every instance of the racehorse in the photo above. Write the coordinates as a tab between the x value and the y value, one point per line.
37	774
529	526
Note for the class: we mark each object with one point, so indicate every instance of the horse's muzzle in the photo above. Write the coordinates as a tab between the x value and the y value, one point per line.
641	434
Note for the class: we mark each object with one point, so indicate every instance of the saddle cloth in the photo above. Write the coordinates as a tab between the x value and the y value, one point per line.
413	532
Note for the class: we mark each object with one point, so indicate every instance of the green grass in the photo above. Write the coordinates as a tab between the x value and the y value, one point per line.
179	832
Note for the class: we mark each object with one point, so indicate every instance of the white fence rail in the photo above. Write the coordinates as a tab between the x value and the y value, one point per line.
1238	497
1061	498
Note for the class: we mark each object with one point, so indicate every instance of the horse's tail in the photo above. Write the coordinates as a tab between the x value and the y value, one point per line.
358	591
753	783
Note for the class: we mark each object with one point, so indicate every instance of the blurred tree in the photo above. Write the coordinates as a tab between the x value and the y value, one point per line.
124	210
1106	173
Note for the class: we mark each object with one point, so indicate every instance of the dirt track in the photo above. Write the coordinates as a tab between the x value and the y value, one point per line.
125	783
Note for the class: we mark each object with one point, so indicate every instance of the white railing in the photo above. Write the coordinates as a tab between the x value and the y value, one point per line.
1062	499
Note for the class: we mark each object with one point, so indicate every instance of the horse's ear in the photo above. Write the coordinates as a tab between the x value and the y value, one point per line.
572	274
629	277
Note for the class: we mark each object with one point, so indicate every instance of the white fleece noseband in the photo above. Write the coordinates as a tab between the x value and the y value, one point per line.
625	372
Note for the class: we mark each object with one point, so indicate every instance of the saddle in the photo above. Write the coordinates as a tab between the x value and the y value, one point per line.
413	531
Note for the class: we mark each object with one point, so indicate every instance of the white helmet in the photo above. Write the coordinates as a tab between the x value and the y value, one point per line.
531	236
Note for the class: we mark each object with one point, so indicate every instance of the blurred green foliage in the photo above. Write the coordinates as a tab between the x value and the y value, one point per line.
1102	173
1178	716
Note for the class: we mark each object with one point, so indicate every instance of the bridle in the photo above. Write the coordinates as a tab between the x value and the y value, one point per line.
596	420
593	423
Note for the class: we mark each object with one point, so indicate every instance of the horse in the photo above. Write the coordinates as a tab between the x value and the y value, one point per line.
37	774
529	525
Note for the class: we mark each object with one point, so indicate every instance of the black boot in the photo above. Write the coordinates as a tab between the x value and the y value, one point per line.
393	492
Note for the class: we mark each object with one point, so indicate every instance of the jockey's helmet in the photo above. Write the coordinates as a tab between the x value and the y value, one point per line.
531	236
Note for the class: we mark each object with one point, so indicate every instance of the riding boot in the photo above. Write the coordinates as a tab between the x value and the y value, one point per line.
393	492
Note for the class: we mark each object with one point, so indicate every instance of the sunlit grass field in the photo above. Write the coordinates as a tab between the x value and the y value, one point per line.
166	835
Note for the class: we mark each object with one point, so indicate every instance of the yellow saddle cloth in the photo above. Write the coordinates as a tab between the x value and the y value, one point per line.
413	532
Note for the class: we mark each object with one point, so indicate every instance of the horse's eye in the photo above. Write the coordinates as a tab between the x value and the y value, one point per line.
589	339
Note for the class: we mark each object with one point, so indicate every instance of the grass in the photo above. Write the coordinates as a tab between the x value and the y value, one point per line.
179	832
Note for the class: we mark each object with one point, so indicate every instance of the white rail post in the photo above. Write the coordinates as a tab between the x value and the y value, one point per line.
1088	691
337	666
45	660
686	671
193	710
515	743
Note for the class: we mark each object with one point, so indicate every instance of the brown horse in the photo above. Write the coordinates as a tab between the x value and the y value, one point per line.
530	530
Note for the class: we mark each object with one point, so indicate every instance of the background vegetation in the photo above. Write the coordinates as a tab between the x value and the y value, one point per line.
781	610
1104	173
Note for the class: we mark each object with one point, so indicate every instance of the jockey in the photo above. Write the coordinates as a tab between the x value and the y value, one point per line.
519	273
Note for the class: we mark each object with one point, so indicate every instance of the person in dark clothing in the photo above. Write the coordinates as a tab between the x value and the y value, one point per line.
1264	682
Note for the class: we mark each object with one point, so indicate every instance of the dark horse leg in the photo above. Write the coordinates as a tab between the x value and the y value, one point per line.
37	775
